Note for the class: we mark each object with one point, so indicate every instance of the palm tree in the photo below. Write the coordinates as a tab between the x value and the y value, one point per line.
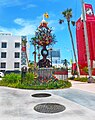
33	41
38	48
65	63
24	42
68	15
31	66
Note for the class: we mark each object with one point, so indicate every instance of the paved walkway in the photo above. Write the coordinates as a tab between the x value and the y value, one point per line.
89	87
17	104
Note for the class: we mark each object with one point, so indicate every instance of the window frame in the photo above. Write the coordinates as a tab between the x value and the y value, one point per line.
3	54
3	64
16	66
4	45
17	46
17	55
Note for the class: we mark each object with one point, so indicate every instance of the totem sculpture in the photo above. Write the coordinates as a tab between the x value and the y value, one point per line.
44	38
23	58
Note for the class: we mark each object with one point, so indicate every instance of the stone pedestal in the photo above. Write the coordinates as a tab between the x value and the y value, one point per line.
45	73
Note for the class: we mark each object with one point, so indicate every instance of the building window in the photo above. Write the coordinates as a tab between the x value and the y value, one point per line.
16	65
4	45
17	55
3	54
3	65
17	45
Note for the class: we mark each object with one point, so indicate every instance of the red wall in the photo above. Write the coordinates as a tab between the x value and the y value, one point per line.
90	23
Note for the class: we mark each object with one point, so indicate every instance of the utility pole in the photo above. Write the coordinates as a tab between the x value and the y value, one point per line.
86	40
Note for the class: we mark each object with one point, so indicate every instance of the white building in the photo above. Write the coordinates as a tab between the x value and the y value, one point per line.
10	52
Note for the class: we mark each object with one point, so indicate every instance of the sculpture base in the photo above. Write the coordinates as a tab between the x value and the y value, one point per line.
45	73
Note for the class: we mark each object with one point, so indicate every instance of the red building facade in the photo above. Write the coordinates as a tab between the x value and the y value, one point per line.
80	38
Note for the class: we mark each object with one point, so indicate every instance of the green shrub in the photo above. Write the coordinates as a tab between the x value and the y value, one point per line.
77	79
82	79
12	78
85	79
59	84
39	87
29	79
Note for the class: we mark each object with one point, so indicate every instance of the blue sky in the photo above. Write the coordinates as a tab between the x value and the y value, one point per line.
23	17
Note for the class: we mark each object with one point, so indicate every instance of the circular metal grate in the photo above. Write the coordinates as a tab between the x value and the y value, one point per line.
41	95
49	108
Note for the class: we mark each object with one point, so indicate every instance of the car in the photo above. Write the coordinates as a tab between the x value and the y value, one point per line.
1	74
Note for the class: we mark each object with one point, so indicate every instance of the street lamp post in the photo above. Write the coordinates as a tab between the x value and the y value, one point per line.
86	41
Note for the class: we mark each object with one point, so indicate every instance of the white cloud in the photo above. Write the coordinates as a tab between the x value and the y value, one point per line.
56	26
25	22
21	22
30	6
26	30
8	3
28	27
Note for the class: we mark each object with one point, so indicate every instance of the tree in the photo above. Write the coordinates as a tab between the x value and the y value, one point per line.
38	49
33	41
65	63
31	66
68	15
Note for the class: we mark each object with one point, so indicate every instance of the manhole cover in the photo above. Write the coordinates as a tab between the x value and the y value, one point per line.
41	95
49	108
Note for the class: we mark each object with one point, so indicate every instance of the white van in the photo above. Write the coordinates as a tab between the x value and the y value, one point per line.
1	74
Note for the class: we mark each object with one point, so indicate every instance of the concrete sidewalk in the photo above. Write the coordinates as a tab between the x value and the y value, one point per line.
89	87
17	104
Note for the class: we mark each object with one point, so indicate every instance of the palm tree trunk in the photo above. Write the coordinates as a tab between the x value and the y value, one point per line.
27	58
38	48
35	56
73	48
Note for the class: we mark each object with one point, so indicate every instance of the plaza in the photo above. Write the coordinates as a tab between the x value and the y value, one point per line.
47	62
79	102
